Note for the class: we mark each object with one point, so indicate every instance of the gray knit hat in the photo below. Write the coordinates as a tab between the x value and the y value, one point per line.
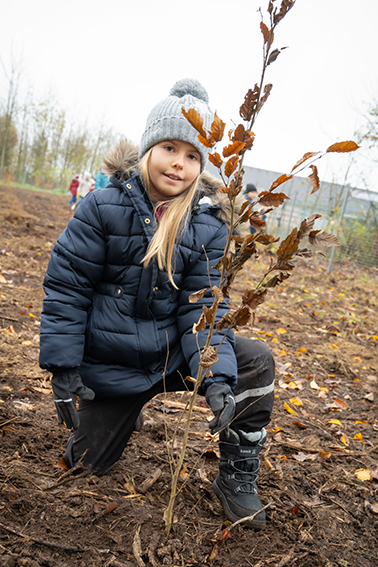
166	121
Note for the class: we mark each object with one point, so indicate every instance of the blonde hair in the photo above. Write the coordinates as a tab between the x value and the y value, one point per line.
176	213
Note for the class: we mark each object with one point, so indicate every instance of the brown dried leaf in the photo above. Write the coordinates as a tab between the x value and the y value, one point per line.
314	179
288	246
256	221
323	239
277	279
254	298
209	312
281	179
233	148
240	134
208	357
194	297
195	119
307	225
265	97
341	147
216	160
244	214
273	56
224	190
224	262
231	166
205	141
266	239
219	297
242	316
236	185
286	5
217	129
249	106
306	157
268	199
265	31
200	325
225	321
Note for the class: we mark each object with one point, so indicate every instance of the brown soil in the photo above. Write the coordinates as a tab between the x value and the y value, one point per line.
323	332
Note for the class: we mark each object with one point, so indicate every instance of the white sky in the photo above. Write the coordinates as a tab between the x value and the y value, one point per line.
114	60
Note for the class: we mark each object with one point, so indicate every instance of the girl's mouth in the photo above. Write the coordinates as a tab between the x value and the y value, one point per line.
173	177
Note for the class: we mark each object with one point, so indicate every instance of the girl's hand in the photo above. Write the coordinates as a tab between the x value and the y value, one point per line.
221	399
66	385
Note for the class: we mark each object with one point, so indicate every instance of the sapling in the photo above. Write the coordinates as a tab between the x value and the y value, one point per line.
240	249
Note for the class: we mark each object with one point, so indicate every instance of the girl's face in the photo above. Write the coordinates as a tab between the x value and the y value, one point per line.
173	166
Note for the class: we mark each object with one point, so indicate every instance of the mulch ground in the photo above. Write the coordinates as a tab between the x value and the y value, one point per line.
319	473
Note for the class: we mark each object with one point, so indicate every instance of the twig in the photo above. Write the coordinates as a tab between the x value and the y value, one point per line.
247	518
9	420
146	485
65	477
8	318
137	548
45	542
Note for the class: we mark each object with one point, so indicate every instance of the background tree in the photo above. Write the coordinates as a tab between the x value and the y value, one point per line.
9	109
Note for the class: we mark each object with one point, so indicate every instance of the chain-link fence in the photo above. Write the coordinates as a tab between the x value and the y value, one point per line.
351	214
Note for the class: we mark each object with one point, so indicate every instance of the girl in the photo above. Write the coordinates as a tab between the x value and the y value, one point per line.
117	323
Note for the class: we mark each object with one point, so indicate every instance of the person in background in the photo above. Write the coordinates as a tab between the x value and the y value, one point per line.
73	189
251	193
117	321
101	180
83	189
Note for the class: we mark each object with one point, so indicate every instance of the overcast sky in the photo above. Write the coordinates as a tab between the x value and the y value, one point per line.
114	60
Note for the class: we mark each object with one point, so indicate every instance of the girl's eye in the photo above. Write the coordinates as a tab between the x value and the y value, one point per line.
193	157
169	148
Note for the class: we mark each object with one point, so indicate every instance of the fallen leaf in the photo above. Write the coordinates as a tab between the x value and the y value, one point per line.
183	474
314	385
301	457
300	424
358	437
340	403
289	409
296	402
335	422
276	430
325	455
281	331
363	474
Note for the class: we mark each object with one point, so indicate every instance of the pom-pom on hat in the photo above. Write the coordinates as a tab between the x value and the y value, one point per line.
166	121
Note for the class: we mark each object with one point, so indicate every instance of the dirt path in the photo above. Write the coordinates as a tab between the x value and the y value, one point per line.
319	472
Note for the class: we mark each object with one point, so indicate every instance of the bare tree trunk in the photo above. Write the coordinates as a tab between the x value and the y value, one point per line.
11	106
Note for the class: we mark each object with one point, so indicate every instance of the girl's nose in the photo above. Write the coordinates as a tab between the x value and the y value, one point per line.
178	162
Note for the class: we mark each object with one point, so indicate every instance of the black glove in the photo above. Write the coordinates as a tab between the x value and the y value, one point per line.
65	384
220	398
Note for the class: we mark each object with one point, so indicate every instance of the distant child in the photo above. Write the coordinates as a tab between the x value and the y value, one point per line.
117	321
101	180
73	188
83	189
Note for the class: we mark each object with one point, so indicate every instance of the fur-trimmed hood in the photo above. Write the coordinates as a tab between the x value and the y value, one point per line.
122	161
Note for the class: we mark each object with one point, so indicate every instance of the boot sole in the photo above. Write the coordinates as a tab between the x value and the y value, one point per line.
256	524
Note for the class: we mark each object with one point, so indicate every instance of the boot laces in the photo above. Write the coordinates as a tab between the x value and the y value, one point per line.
245	473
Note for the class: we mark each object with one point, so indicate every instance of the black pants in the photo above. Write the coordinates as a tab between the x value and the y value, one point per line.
106	424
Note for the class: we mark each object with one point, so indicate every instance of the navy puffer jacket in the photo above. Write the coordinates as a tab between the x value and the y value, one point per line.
107	315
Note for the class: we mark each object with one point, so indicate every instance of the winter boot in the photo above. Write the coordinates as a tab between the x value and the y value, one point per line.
235	484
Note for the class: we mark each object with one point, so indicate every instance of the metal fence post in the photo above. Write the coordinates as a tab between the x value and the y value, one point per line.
342	212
